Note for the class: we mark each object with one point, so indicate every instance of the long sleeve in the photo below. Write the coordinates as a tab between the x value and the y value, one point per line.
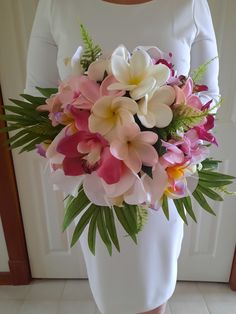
42	52
204	48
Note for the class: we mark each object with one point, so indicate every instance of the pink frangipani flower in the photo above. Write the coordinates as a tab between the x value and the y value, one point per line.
135	147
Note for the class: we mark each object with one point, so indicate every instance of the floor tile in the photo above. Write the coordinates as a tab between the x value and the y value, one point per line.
166	312
186	291
10	306
77	307
188	307
39	307
219	307
46	290
216	291
77	290
13	292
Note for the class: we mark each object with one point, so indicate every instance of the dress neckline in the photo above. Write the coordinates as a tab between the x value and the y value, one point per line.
127	5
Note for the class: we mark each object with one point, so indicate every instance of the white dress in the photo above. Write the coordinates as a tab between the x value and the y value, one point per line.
141	277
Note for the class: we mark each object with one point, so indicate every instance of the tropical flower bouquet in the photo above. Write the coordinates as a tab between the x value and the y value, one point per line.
122	134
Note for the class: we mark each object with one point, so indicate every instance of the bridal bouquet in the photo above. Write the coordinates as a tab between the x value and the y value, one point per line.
122	134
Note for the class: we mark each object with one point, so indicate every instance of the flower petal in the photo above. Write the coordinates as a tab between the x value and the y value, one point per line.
136	194
72	166
148	120
94	190
119	149
75	61
143	88
96	70
101	125
146	153
120	86
125	103
101	108
133	160
110	169
120	69
121	51
143	105
52	149
68	145
161	73
104	91
164	95
155	187
89	89
139	63
126	181
66	184
148	137
164	115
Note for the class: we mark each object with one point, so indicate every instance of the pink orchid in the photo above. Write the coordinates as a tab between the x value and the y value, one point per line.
203	129
173	155
192	147
135	147
85	152
178	189
185	95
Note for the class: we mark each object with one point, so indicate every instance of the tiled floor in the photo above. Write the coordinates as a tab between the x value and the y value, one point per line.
74	297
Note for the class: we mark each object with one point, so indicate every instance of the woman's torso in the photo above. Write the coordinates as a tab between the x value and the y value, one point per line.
164	23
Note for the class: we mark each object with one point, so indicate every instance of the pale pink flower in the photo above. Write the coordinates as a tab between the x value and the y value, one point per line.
135	147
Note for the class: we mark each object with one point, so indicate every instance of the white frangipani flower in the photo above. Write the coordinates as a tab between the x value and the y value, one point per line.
137	73
156	111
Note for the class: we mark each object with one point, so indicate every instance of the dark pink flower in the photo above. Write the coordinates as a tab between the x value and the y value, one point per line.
87	152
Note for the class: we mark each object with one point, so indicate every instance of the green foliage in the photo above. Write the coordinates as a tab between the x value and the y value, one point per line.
165	206
185	117
74	206
47	92
91	52
101	219
142	217
210	182
32	126
198	73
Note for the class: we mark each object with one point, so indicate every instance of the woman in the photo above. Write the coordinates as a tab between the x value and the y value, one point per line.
142	277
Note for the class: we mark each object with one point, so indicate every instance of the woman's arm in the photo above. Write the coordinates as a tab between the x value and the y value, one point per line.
42	52
204	48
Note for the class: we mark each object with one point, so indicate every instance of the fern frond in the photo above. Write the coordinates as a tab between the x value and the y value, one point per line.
91	51
198	73
185	117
